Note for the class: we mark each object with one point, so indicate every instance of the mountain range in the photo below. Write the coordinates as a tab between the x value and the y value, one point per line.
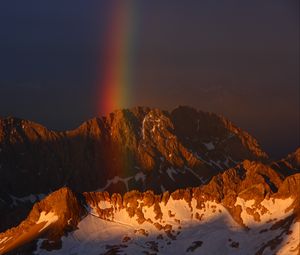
144	180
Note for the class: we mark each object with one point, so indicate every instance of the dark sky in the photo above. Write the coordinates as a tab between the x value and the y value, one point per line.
236	58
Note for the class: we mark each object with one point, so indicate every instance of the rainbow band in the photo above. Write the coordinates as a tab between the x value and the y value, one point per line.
119	55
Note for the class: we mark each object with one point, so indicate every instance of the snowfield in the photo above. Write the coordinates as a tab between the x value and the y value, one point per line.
186	230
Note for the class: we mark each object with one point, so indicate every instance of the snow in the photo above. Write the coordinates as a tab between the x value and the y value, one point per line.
170	172
154	122
217	231
47	218
162	188
210	146
115	180
140	176
216	163
196	175
291	242
86	240
104	204
143	128
276	208
231	135
5	240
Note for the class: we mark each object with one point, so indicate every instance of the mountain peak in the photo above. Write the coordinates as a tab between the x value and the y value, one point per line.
170	150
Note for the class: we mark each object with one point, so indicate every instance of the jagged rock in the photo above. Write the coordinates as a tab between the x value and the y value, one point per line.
288	165
54	216
168	213
140	148
180	167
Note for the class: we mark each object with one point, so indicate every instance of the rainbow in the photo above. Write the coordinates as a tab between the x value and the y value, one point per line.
118	59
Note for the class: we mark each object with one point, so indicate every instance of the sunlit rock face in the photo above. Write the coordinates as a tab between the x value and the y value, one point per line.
221	217
145	181
53	216
139	148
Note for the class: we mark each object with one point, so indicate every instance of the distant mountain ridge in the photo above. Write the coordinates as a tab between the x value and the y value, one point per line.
139	148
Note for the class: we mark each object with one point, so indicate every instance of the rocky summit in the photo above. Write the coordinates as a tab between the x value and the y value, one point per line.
140	148
145	181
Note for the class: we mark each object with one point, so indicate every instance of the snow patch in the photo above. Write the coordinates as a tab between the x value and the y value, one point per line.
268	209
115	180
47	218
5	240
212	226
196	175
170	172
140	176
210	146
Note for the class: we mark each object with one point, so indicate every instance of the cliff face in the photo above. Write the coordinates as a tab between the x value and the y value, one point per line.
248	204
141	148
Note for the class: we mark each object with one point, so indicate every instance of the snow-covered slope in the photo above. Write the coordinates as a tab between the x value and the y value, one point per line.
214	232
139	148
187	221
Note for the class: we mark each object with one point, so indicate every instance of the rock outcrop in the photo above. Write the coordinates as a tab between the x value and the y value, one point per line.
53	217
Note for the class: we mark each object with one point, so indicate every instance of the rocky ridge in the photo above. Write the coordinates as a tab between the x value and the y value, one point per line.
185	169
288	165
252	197
139	148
